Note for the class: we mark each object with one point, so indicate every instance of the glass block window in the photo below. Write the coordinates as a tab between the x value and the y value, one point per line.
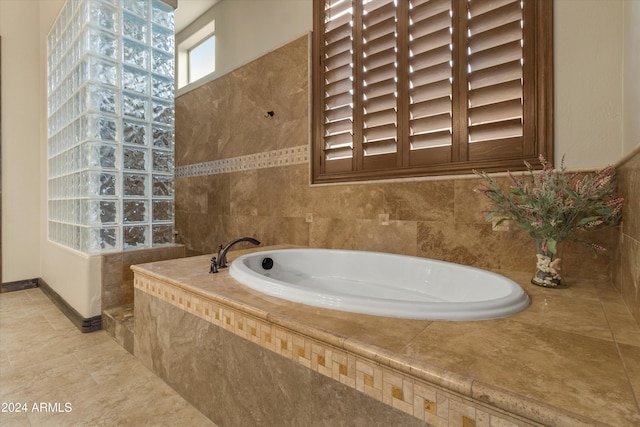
111	125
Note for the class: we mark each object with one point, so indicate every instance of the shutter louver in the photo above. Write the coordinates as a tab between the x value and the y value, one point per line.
495	80
430	79
338	84
379	83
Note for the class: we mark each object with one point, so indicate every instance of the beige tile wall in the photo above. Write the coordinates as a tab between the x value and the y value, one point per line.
117	277
225	120
626	270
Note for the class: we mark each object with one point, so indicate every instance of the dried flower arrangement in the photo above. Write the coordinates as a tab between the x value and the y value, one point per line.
551	205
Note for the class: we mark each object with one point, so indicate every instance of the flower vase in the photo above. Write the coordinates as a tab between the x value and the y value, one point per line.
548	272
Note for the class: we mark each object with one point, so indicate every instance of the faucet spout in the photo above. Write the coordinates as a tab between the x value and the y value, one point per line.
222	253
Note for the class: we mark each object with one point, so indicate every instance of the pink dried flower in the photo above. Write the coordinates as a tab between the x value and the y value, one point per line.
593	224
614	202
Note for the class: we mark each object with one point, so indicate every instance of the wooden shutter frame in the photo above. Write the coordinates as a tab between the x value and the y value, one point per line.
538	133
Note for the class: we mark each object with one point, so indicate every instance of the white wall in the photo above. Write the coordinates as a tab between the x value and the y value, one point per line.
631	70
247	29
26	251
588	81
21	227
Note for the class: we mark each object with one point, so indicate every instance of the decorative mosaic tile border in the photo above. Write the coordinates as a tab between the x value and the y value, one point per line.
408	394
268	159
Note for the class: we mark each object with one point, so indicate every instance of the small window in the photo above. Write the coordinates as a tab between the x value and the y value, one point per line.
202	59
195	54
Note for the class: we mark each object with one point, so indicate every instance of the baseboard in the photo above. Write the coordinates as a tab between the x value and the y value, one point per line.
19	285
84	324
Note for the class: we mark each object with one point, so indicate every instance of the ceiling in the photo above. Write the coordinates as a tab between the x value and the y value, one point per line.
189	10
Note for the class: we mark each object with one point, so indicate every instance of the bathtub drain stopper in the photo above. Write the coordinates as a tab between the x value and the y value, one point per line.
267	263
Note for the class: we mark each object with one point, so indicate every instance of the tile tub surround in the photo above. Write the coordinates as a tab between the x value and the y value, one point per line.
572	358
240	173
236	382
117	277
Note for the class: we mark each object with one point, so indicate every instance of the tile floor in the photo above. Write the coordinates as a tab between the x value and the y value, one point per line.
62	377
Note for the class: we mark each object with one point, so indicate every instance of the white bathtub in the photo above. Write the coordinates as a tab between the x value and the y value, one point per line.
380	284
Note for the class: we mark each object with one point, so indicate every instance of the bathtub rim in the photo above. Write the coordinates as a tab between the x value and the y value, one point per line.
514	302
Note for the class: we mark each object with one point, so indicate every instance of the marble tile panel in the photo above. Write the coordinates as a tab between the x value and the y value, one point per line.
469	244
112	276
357	201
293	231
244	193
255	387
579	261
628	274
333	233
515	249
470	205
282	89
628	181
386	236
428	200
192	194
198	232
631	357
624	329
263	228
272	183
219	194
577	310
557	359
285	192
195	137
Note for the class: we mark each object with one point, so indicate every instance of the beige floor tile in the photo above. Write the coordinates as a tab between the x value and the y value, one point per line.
63	377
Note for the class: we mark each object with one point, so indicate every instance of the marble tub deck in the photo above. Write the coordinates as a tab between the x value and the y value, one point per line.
571	358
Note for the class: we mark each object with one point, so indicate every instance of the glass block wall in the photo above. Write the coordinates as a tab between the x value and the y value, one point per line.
111	125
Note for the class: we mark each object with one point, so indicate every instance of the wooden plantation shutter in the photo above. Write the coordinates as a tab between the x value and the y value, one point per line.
429	87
